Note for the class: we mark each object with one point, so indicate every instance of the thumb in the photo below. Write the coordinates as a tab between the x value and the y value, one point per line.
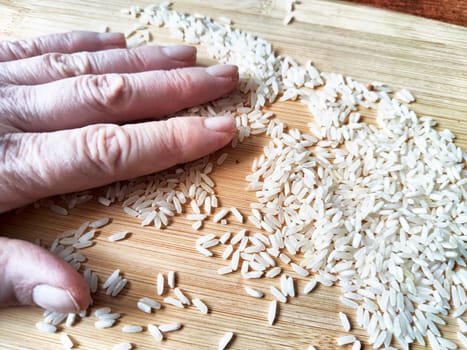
30	275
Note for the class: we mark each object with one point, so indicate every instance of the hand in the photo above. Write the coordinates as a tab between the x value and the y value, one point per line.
64	100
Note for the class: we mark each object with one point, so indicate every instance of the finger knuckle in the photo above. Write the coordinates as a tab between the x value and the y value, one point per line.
18	174
18	49
75	40
64	65
137	58
174	141
13	115
108	147
105	93
179	80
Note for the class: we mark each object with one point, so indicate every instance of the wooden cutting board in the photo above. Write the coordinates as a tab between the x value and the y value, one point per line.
427	57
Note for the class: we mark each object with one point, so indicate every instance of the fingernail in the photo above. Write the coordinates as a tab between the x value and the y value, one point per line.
54	299
112	40
180	52
223	71
222	124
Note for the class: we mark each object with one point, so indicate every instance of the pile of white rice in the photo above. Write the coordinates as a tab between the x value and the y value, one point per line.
378	210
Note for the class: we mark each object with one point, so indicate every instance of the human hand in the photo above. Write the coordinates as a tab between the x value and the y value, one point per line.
64	100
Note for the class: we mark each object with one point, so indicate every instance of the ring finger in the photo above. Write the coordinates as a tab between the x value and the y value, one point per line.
63	42
54	66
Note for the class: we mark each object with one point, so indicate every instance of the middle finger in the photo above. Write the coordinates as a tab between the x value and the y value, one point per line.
113	98
54	66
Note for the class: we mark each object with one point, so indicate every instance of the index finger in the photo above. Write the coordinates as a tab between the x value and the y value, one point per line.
62	43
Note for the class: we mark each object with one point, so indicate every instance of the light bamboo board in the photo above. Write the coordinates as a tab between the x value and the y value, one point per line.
427	57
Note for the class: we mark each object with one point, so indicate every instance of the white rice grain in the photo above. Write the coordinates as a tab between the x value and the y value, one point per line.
225	270
171	279
179	294
197	225
45	327
222	158
118	287
272	312
348	302
66	341
254	292
225	238
102	311
348	339
283	284
104	201
310	286
70	320
226	339
290	287
253	274
299	270
235	260
99	223
288	18
164	328
155	332
132	328
122	346
227	252
151	302
58	210
196	217
275	271
220	214
278	295
205	238
110	316
237	215
237	237
102	324
204	251
82	245
200	305
210	244
344	321
404	95
462	338
111	279
117	236
173	302
462	325
142	306
160	284
284	258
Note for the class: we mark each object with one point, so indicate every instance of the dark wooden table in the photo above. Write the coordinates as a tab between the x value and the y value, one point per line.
450	11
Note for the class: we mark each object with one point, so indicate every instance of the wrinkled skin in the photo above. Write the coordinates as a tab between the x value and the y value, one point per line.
65	100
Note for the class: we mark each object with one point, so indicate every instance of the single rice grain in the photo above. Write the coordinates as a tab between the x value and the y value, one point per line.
66	341
226	339
254	292
272	311
170	327
200	305
122	346
132	328
155	332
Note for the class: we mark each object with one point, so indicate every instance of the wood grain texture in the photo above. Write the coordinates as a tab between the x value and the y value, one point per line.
425	56
450	11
